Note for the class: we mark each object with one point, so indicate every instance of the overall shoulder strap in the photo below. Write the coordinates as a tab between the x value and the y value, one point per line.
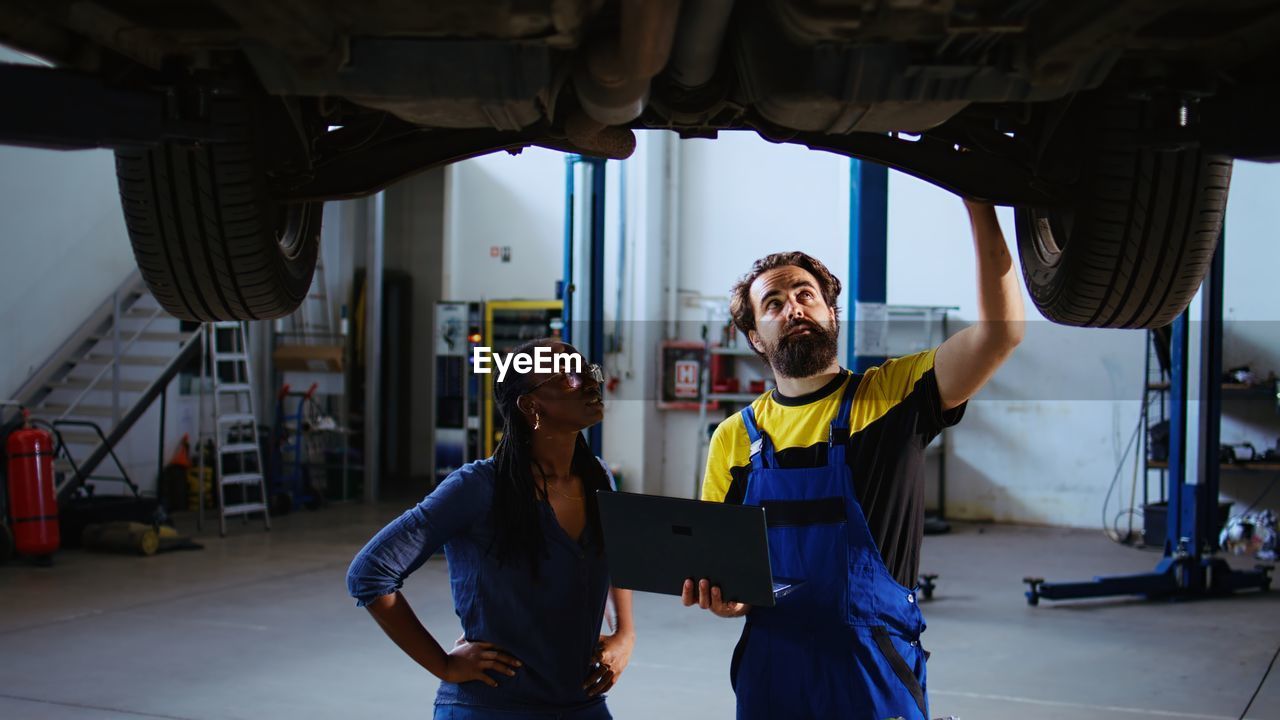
761	448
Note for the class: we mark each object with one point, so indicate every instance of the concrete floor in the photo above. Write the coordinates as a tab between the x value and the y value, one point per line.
259	625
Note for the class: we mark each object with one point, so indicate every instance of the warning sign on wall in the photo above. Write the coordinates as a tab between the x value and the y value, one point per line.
687	379
681	381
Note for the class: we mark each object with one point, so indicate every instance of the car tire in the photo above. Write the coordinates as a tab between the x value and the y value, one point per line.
1133	246
210	241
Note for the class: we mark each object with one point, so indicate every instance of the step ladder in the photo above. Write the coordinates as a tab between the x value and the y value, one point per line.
236	453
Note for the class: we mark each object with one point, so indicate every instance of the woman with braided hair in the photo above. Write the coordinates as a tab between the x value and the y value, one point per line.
521	533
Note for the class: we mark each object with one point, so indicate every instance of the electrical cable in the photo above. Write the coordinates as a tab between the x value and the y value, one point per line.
1115	524
1133	491
1106	522
1261	682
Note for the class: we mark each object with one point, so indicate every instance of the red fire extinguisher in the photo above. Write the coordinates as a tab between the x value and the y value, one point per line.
33	503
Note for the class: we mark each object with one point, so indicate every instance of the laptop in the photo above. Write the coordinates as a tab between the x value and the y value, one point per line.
655	543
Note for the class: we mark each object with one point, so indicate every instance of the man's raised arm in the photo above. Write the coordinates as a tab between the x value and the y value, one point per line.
968	359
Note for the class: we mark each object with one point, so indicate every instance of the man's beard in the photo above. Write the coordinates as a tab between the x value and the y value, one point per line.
799	356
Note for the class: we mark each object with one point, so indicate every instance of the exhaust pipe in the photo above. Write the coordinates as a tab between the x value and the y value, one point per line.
698	41
613	82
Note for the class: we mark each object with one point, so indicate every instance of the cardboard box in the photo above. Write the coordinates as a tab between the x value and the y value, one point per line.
309	358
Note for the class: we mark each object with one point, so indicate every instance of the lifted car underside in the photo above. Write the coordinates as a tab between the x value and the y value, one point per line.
1018	102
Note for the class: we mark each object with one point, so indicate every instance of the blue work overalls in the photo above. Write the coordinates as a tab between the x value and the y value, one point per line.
846	642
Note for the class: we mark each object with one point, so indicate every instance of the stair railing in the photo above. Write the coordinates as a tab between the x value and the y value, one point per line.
113	365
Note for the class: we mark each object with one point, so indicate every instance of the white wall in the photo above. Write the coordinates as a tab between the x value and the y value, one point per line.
504	200
744	198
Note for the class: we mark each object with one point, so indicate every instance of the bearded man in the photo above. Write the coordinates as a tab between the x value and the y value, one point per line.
836	459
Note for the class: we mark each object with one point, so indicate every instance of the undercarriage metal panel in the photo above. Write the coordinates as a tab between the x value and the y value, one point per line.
978	175
67	110
435	83
982	175
379	164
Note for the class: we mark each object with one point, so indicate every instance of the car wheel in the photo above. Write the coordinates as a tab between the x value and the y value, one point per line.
1131	248
210	241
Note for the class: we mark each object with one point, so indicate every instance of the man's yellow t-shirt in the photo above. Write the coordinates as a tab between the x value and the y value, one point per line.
896	412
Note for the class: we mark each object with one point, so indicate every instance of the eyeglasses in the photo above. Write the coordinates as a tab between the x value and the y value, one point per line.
576	379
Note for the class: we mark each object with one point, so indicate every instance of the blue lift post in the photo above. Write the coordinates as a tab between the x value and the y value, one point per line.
868	250
594	322
1190	567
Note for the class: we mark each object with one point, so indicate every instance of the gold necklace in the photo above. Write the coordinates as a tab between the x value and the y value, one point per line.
548	486
565	495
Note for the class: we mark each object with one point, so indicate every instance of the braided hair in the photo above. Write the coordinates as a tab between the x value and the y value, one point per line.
519	535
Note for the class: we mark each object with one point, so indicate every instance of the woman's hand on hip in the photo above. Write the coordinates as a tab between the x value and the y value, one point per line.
610	659
469	661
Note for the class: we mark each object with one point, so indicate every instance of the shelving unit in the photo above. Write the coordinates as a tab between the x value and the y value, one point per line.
1246	467
310	349
1156	396
458	330
733	354
507	323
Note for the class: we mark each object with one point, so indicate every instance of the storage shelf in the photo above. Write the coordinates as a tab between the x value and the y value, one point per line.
1260	390
1231	467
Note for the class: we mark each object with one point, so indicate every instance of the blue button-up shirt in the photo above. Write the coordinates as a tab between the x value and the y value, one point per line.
551	624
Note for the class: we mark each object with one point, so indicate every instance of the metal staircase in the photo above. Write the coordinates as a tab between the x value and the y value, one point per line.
107	374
